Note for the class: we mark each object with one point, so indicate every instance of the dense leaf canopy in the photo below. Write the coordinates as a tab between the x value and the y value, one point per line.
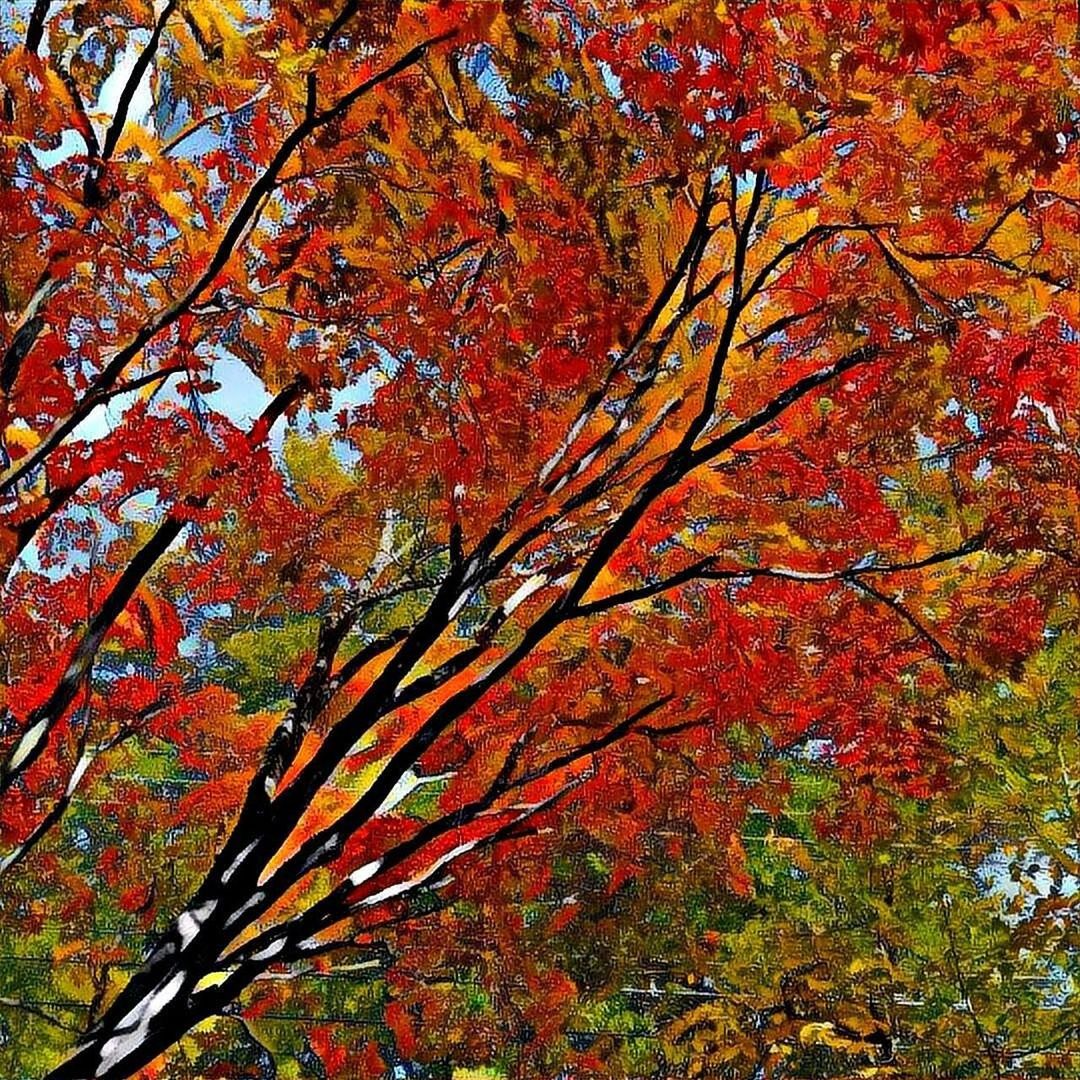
538	535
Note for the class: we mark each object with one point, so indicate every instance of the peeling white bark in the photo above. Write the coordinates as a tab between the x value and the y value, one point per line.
135	1027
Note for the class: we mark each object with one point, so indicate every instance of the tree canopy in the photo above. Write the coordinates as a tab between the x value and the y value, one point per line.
538	536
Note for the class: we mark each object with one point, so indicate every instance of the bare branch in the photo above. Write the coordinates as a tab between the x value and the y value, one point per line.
894	604
85	758
326	844
35	27
779	325
980	252
207	118
796	245
689	258
138	70
781	403
707	570
35	1010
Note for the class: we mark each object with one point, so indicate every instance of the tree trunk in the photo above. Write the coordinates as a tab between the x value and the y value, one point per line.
157	1006
119	1046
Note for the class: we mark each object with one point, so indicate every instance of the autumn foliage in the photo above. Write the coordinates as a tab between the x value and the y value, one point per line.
468	465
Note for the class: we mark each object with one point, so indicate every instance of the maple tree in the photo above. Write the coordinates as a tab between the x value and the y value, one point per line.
439	434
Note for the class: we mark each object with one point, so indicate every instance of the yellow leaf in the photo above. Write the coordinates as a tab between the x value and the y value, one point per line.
482	151
215	978
17	436
316	474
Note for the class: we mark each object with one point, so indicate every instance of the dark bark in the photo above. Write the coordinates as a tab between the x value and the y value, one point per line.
35	27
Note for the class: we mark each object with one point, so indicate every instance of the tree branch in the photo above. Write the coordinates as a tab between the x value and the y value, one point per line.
781	403
35	1010
689	257
780	324
893	603
35	26
707	570
138	70
86	758
794	246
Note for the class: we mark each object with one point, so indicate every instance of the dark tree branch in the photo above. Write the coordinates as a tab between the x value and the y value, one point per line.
980	253
796	245
138	70
85	758
40	1013
941	654
689	258
290	805
211	51
42	721
348	10
707	570
207	118
558	612
366	653
86	129
92	193
779	325
35	27
781	403
727	334
26	333
941	306
316	691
